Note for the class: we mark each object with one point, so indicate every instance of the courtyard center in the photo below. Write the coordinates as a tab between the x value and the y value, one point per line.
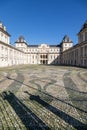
43	97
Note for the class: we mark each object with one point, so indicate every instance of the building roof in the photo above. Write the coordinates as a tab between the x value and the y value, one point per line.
32	45
49	45
83	26
66	39
3	29
21	39
54	45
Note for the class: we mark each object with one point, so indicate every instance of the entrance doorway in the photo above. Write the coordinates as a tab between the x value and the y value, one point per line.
43	59
43	62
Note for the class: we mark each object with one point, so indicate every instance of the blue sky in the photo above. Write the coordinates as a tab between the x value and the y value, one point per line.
43	21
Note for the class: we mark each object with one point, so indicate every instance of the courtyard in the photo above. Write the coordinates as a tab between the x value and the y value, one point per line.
43	97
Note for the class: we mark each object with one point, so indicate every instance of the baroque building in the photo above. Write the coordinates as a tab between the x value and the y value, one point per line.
64	53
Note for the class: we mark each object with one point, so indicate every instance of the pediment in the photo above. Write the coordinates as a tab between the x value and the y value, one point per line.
43	48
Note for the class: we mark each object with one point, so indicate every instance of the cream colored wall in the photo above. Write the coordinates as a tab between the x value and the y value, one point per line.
21	46
76	56
66	46
35	52
10	56
4	38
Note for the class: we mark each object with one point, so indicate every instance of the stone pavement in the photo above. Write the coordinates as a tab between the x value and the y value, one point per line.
43	97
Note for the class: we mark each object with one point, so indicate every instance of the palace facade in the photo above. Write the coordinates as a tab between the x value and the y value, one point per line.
64	53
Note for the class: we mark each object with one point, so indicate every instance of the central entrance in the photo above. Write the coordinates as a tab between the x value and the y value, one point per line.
43	59
43	62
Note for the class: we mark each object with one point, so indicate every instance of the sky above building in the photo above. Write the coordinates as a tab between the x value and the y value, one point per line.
43	21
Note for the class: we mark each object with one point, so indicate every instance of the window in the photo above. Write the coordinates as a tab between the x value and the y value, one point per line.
40	56
85	36
2	47
81	51
6	38
81	37
85	50
70	44
43	56
1	34
46	56
33	57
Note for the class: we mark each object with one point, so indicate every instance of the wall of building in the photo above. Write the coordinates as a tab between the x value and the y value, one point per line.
43	54
11	56
65	53
76	56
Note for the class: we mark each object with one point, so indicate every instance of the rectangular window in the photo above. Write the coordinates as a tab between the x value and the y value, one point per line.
85	36
65	44
1	34
85	50
46	56
2	47
81	38
40	56
81	51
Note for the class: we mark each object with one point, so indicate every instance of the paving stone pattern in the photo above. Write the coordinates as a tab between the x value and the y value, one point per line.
38	97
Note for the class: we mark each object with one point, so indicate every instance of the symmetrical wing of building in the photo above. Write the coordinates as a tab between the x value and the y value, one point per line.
64	53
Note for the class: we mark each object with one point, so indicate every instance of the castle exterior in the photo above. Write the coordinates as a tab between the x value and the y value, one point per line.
63	54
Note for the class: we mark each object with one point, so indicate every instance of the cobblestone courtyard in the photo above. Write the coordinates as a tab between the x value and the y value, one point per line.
38	97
